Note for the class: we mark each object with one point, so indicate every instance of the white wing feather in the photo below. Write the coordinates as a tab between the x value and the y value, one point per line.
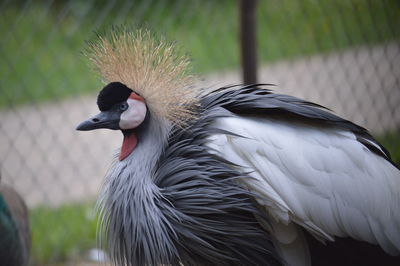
320	178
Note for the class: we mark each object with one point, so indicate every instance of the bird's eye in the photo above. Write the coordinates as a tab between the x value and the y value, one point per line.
123	106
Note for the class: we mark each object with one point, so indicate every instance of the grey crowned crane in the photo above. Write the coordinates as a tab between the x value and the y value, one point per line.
237	176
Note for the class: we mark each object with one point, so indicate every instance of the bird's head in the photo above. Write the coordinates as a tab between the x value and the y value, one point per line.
120	109
146	78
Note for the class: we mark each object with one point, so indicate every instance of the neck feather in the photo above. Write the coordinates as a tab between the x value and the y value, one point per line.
130	217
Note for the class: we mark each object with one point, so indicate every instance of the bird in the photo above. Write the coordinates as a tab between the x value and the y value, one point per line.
238	175
15	240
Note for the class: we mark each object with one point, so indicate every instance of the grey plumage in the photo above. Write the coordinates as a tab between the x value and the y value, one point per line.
185	209
182	204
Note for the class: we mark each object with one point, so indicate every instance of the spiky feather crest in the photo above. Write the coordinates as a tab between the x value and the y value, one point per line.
149	66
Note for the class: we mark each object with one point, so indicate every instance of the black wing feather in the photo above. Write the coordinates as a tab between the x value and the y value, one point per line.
252	100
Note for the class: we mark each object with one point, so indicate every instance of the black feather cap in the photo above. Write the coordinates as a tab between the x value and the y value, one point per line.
112	93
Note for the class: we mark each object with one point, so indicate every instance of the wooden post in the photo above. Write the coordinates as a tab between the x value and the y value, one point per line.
247	9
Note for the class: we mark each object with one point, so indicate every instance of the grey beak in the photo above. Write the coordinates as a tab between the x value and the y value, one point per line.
105	119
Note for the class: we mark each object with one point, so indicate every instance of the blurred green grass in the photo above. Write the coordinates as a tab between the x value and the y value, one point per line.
41	44
63	233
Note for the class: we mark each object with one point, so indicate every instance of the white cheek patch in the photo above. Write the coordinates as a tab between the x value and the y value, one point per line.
134	115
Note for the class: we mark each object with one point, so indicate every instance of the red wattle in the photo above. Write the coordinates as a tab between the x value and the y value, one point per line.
128	145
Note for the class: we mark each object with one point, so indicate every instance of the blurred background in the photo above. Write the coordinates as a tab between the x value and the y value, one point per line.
342	54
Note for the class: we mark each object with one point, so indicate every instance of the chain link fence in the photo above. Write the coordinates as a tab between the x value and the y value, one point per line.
342	54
